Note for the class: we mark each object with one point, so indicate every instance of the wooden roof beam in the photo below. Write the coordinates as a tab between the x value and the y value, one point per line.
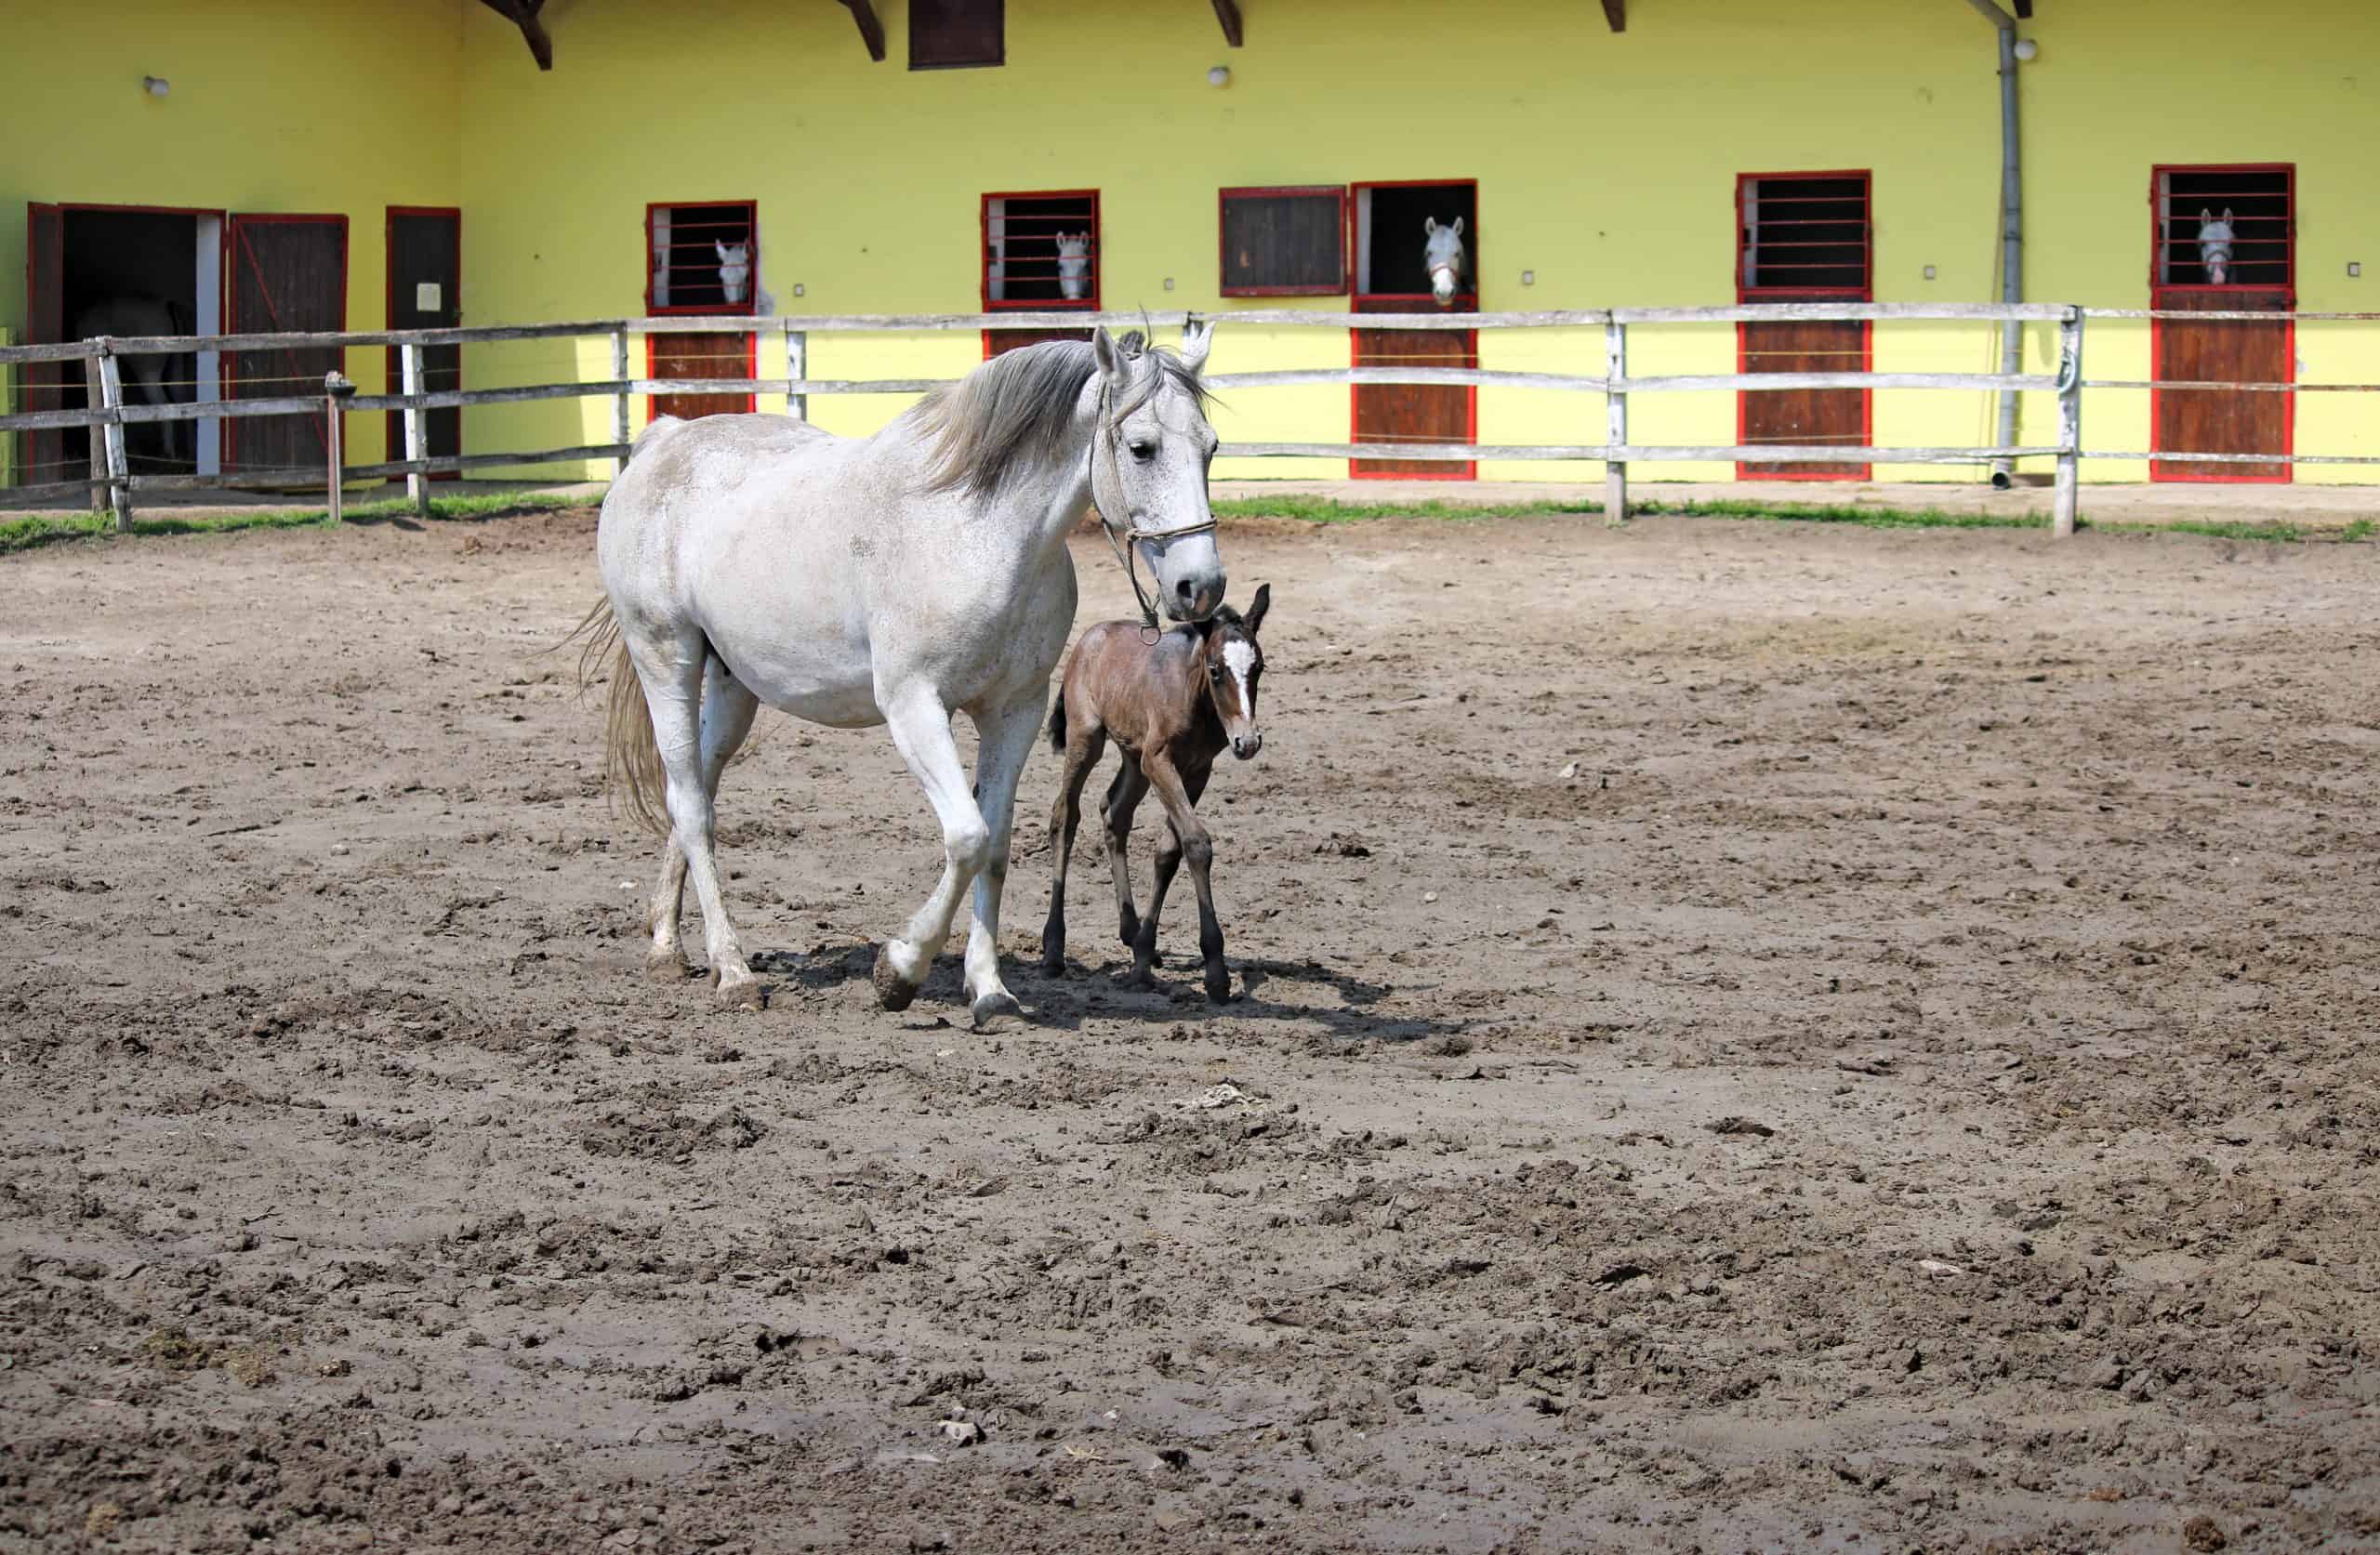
1227	13
524	15
1616	12
871	27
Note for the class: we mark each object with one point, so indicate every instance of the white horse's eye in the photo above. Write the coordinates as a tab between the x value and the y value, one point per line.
1143	448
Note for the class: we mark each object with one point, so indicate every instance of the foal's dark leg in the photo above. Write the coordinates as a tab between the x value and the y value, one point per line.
1169	860
1174	793
1123	798
1083	750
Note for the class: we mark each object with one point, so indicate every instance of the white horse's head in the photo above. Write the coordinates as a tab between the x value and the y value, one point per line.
2215	243
1074	265
734	268
1442	253
1152	492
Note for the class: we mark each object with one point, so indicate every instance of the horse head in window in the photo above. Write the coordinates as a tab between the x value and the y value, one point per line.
1074	265
1443	255
735	268
2215	244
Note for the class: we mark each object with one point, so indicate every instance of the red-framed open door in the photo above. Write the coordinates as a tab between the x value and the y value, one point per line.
283	275
2223	240
41	452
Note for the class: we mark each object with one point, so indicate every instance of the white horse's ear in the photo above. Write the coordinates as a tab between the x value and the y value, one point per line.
1196	340
2205	214
722	249
1458	225
1105	351
1429	226
2227	216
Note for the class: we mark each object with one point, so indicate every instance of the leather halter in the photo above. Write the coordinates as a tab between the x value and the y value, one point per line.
1107	434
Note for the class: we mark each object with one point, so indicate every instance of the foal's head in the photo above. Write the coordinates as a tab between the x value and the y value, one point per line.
1233	664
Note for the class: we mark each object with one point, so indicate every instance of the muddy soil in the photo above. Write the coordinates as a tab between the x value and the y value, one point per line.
1748	1036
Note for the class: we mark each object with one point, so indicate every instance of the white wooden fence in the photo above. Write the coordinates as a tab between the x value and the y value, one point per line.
110	414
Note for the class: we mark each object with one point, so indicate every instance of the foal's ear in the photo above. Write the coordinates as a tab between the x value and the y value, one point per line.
1254	619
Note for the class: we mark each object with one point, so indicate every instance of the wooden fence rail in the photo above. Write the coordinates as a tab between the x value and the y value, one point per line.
609	340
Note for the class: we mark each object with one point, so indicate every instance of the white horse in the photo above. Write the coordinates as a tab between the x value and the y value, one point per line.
155	380
893	579
1074	265
2215	243
734	268
1442	253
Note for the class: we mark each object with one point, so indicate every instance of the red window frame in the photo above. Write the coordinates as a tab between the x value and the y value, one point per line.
1864	291
999	56
752	287
2156	175
983	252
1346	266
1465	302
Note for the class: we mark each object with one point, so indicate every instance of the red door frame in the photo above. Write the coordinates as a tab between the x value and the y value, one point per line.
1747	293
2159	295
232	225
396	380
1465	302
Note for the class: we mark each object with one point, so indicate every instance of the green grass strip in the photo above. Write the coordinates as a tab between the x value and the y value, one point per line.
41	529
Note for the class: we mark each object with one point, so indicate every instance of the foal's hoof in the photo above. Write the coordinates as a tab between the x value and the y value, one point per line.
1219	987
665	966
742	994
991	1007
890	992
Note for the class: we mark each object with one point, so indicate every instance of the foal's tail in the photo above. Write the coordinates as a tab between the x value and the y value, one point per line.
631	759
1058	723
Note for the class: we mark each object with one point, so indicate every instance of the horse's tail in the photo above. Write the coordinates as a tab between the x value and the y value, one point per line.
631	758
1058	723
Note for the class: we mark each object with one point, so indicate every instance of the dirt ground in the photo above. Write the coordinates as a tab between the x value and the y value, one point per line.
1752	1037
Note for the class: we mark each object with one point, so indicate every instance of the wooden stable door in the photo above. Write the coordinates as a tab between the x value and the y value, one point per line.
2223	351
1803	416
1414	412
425	284
283	275
997	341
700	356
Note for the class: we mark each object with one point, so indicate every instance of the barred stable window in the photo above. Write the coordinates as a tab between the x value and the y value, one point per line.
1284	242
1041	250
1804	234
954	34
2238	223
702	258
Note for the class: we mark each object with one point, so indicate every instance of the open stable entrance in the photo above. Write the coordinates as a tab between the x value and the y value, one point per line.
425	284
702	259
1803	237
1388	221
2224	239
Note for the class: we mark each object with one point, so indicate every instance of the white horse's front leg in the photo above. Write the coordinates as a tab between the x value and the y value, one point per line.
1006	740
920	728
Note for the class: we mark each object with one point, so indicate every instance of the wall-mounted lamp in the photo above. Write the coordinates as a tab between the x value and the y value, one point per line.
2027	49
155	86
1218	76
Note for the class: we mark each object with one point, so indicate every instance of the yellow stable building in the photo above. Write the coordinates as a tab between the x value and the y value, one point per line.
263	165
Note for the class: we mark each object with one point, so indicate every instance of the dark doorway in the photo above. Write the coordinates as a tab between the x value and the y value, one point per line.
425	285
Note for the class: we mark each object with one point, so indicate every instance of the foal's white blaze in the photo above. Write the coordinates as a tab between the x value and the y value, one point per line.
1239	658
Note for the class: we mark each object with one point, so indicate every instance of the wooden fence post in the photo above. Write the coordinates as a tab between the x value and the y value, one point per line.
92	396
797	367
2069	424
416	421
119	466
622	415
1615	399
332	489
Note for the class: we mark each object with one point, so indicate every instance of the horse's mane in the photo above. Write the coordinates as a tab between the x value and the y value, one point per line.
1015	411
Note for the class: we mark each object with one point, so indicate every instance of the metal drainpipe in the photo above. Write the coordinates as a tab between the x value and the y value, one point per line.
2012	232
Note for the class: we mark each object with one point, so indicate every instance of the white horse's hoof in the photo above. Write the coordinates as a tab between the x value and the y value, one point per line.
665	966
993	1006
891	992
742	992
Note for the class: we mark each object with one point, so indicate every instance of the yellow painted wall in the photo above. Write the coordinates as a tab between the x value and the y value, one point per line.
276	105
1606	165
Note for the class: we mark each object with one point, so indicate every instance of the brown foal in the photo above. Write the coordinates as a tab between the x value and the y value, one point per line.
1170	705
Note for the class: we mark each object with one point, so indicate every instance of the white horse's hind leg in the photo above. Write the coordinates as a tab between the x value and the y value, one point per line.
672	693
1006	741
920	729
728	709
